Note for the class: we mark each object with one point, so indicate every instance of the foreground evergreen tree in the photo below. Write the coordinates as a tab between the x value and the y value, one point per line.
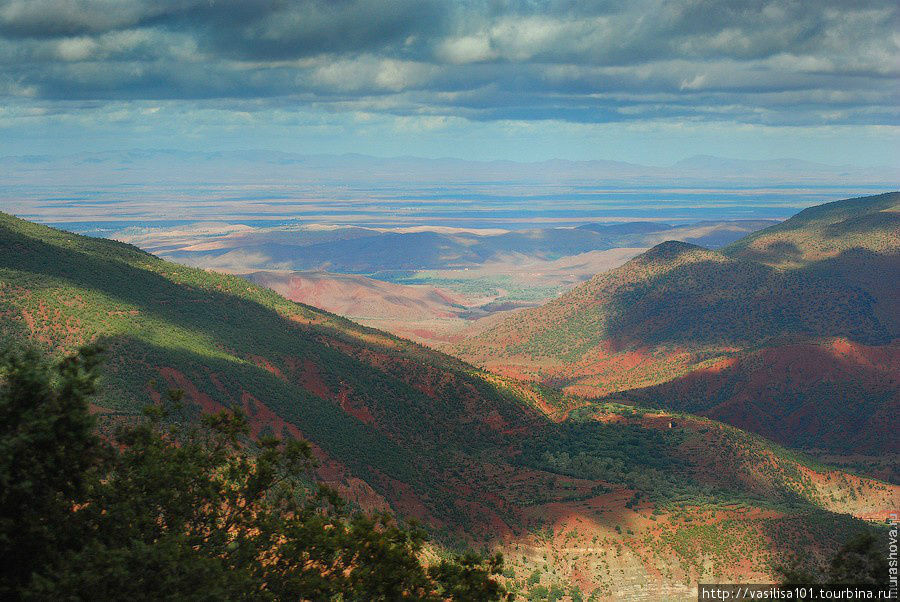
50	459
196	512
862	560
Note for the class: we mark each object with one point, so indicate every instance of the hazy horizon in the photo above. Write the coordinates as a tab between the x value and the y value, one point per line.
105	192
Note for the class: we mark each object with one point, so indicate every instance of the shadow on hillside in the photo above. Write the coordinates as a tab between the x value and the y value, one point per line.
867	223
875	273
803	396
778	251
742	303
420	452
810	538
222	382
383	376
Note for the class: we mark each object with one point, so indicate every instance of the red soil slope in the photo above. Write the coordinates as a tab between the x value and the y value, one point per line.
845	393
791	332
361	297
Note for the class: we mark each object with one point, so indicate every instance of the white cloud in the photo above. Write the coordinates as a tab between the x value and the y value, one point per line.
370	73
466	49
75	49
693	84
414	123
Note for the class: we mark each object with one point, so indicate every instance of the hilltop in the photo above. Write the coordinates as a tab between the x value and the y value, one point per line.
790	332
825	232
605	499
853	241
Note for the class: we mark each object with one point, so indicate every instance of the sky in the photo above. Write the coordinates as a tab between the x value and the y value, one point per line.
646	81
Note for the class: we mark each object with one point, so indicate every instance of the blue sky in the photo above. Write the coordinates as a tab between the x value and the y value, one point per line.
648	81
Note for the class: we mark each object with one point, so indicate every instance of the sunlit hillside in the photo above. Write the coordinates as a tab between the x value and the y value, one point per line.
790	332
607	500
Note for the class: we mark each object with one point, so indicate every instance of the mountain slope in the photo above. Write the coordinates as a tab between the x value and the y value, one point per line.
608	499
826	231
853	241
662	328
358	296
225	341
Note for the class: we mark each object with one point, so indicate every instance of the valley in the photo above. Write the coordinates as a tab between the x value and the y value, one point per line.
432	284
631	494
790	332
436	301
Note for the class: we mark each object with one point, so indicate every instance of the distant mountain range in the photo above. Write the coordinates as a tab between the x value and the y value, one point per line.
602	498
791	331
266	166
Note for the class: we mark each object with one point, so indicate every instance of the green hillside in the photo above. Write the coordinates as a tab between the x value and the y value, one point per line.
862	224
228	342
607	498
854	242
825	278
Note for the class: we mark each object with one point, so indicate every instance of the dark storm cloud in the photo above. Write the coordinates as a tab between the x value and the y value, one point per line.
773	62
271	29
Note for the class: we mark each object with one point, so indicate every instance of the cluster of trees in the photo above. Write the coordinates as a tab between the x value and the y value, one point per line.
187	512
862	560
643	459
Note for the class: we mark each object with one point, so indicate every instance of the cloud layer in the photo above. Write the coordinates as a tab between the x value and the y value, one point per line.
772	63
